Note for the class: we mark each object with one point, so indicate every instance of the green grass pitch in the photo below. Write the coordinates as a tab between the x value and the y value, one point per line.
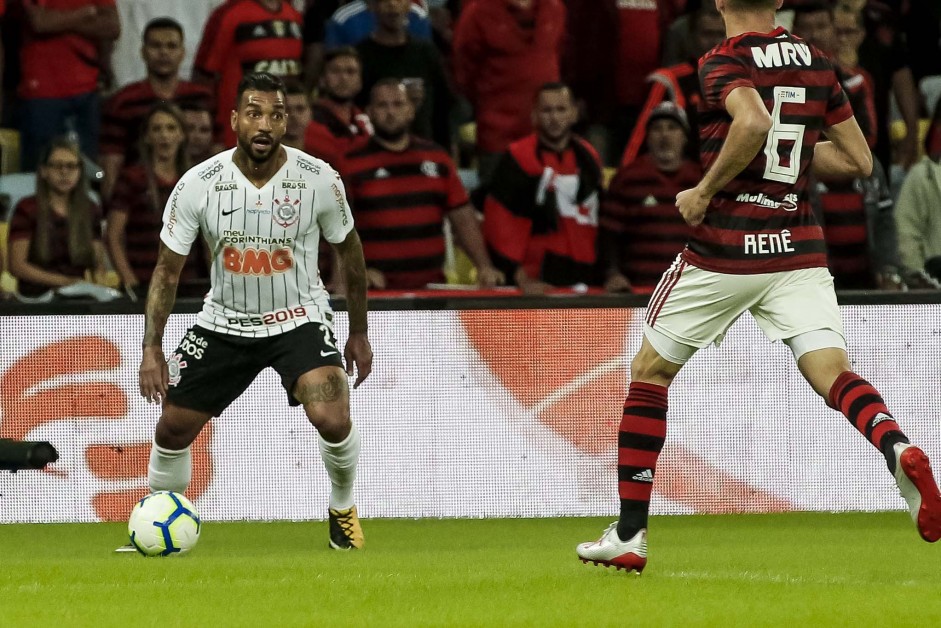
748	570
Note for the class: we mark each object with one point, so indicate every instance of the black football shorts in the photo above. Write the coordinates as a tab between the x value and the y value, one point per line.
209	370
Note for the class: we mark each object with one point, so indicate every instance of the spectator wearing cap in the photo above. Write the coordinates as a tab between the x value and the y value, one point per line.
641	232
679	83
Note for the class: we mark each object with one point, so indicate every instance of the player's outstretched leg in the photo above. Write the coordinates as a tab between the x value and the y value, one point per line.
642	432
862	404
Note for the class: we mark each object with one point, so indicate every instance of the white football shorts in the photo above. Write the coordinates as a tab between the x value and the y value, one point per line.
692	307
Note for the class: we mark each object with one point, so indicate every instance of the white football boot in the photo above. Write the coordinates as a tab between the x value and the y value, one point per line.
916	483
611	551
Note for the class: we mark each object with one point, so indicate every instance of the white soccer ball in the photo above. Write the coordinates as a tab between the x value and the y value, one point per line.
163	524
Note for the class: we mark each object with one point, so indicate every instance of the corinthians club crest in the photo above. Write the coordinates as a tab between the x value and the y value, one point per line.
175	363
286	212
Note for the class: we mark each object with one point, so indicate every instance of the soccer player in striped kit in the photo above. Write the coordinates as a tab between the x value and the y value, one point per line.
262	207
756	247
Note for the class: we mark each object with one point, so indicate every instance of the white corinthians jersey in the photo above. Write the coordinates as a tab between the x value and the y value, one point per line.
264	241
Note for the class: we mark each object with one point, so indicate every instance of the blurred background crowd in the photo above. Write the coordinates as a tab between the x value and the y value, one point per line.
541	141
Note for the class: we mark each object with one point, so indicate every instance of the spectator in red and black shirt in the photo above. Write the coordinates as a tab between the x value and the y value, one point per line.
162	51
247	36
135	210
641	231
55	236
401	189
541	212
337	121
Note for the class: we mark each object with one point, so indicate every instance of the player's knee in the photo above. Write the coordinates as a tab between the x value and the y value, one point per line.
648	366
178	429
175	435
331	420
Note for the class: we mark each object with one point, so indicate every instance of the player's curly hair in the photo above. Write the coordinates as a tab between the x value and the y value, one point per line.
259	82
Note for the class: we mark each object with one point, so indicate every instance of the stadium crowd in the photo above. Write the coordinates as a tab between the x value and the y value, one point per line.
537	143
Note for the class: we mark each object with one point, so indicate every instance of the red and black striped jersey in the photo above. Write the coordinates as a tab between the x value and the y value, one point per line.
124	112
842	206
761	221
247	37
399	201
639	213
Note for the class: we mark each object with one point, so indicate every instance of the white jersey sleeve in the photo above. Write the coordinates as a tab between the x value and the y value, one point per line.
333	210
181	215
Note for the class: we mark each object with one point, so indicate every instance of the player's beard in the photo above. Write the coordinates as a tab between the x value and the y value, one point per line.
256	157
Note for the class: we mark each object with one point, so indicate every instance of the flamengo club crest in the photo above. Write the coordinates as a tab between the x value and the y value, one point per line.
175	364
286	211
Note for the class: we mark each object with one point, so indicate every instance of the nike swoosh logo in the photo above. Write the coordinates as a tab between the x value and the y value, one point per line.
231	211
324	354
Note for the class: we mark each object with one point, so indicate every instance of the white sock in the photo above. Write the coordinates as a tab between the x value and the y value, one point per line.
340	460
169	470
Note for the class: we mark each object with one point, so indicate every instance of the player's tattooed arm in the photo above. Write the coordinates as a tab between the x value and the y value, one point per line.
161	294
154	375
357	353
353	267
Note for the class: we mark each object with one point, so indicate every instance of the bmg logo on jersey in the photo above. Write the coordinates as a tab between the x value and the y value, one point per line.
251	261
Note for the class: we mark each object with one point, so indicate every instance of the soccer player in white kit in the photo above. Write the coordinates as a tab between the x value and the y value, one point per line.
262	207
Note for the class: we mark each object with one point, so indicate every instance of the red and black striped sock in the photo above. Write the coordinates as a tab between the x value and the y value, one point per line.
863	406
640	439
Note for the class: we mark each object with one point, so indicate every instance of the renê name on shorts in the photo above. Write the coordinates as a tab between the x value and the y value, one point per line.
768	243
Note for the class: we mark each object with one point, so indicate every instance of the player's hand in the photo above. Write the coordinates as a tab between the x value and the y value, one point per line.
375	279
358	352
488	277
617	282
692	205
154	375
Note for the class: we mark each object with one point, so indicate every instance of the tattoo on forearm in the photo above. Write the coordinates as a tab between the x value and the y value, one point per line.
160	298
330	390
354	270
